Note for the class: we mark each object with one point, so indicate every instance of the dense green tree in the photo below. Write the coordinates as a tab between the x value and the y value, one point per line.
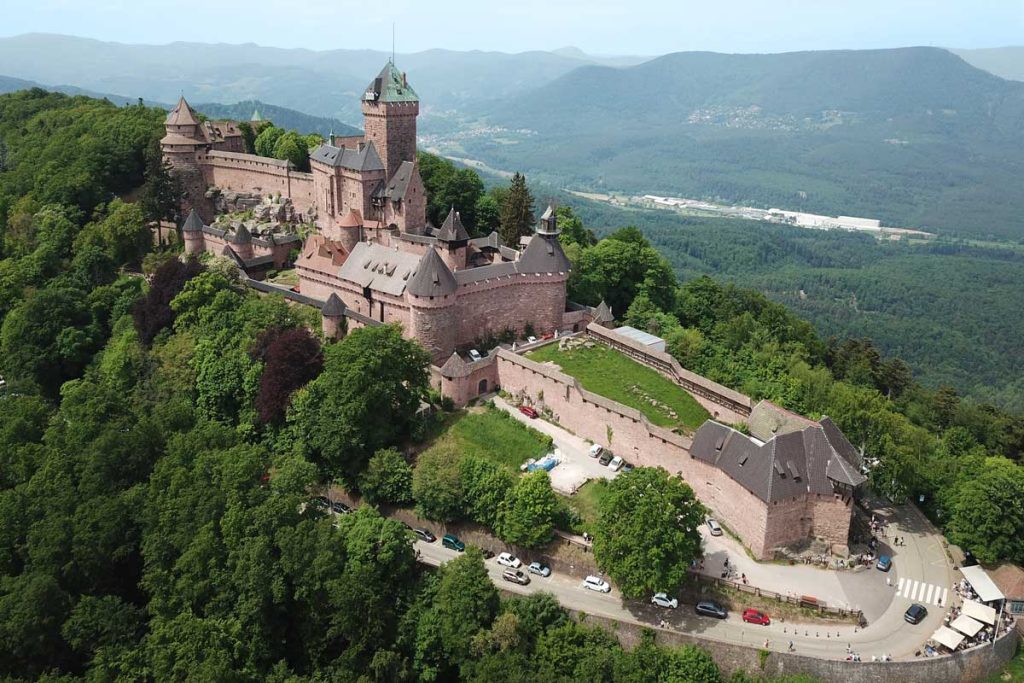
437	486
266	141
647	531
120	231
387	479
529	511
485	489
367	398
449	186
488	214
987	513
517	215
294	148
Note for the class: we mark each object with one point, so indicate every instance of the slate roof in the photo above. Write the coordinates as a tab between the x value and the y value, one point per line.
361	158
788	466
381	268
398	186
492	241
334	307
193	223
242	235
767	420
454	367
543	255
182	114
603	313
390	85
452	230
432	277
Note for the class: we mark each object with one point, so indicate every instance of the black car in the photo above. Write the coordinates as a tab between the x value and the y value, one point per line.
425	535
915	613
340	508
606	457
708	608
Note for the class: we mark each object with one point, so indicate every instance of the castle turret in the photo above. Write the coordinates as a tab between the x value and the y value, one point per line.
333	314
431	294
242	243
390	108
192	233
350	230
544	260
181	145
452	239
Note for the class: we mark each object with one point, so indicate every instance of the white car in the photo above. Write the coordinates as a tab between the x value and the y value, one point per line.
531	340
595	450
714	527
596	583
539	569
662	600
509	560
474	354
616	464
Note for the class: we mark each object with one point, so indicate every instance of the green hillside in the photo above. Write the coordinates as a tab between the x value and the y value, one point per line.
913	136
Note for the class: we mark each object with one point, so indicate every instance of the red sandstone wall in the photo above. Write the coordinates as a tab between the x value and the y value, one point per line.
464	389
514	302
255	174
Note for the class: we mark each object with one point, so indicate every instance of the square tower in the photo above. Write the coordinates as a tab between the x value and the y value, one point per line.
390	108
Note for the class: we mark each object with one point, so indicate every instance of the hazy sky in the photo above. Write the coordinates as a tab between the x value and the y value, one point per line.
597	26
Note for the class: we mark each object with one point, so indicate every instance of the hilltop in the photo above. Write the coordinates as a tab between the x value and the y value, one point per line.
914	136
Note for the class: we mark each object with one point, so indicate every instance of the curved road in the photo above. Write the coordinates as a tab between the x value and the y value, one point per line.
921	563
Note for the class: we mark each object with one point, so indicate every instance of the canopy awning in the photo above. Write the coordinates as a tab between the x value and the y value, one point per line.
982	613
982	584
966	625
948	637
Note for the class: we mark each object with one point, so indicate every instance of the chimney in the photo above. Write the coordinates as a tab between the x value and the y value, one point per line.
405	82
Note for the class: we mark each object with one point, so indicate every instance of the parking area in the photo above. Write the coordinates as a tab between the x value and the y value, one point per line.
575	466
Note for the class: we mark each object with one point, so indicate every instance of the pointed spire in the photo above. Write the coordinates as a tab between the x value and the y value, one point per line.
452	230
242	235
331	137
256	118
432	277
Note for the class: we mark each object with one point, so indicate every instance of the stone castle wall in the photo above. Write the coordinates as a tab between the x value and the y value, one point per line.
627	432
258	175
391	126
514	301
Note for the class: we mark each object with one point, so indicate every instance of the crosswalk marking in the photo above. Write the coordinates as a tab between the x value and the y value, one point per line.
921	591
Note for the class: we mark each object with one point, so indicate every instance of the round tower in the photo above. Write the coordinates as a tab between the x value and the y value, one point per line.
452	241
181	146
431	293
242	243
192	233
350	230
333	317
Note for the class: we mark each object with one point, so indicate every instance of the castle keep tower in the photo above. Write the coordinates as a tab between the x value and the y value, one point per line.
390	108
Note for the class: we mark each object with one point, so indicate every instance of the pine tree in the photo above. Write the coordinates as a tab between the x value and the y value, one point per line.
516	212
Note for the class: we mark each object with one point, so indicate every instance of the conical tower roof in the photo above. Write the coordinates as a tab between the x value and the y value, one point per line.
242	235
334	307
193	223
432	277
182	114
452	229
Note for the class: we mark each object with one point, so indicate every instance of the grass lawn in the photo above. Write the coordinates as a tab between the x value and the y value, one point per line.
1013	673
585	501
288	278
611	374
493	435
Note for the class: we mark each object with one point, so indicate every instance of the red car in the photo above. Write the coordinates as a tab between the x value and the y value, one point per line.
752	616
528	411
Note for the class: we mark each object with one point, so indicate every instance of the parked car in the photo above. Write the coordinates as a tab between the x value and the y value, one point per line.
425	535
474	354
531	340
606	457
516	576
753	616
509	560
714	527
884	563
616	464
596	583
539	569
595	450
626	466
451	541
915	613
708	608
321	502
529	412
340	508
662	600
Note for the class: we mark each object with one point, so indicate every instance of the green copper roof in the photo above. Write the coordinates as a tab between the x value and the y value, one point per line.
390	86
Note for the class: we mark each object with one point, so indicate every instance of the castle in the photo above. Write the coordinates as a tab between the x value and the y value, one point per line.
373	251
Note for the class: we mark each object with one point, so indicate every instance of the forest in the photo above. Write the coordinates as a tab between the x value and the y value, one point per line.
165	428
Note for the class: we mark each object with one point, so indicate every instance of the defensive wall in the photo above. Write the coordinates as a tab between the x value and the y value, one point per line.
627	432
967	666
259	175
723	403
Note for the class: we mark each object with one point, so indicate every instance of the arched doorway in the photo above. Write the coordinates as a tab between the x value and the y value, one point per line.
481	388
